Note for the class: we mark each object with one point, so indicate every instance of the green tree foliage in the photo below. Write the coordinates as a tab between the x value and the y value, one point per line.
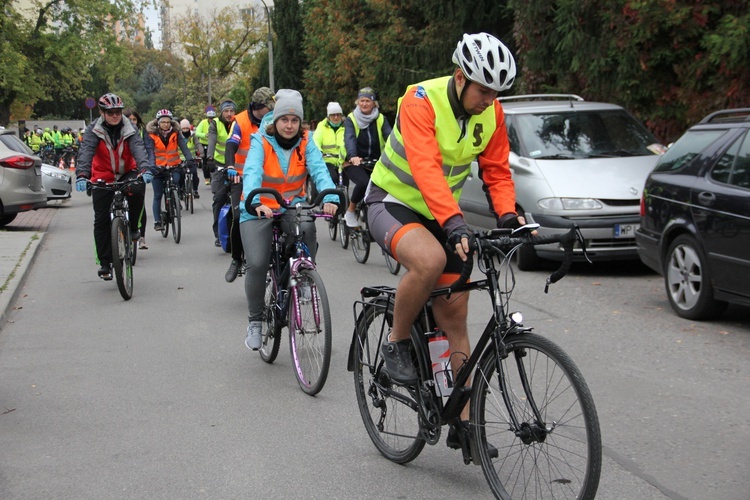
47	51
670	62
217	47
289	58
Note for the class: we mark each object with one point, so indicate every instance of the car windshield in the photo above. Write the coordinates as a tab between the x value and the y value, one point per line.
579	134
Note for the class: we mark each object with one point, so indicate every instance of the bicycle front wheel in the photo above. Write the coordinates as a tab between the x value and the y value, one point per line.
189	194
388	410
557	456
394	266
343	233
361	244
121	257
271	336
333	225
176	217
310	331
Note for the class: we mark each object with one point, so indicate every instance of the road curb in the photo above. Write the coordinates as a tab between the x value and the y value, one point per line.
17	278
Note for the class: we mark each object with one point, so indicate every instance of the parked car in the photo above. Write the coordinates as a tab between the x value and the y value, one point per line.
20	178
573	161
57	182
695	216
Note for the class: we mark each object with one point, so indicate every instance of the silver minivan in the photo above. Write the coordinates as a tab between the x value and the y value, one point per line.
573	161
20	178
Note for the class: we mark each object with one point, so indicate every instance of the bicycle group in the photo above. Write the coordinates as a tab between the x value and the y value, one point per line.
516	405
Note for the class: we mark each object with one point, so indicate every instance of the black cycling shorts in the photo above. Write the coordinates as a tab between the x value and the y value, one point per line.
389	222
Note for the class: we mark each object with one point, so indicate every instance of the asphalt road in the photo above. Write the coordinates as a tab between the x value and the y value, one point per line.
158	397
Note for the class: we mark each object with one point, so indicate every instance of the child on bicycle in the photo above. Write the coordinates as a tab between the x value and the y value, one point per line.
168	143
281	157
112	150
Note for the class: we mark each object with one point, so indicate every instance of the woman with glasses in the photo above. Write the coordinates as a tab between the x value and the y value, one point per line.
112	150
366	130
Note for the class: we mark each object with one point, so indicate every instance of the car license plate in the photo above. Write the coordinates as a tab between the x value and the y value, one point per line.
626	230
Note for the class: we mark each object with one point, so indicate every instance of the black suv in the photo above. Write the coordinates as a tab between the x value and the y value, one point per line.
695	216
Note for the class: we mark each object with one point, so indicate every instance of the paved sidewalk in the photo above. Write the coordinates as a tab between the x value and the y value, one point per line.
19	243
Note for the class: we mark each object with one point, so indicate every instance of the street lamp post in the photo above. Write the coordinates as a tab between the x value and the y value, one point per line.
270	48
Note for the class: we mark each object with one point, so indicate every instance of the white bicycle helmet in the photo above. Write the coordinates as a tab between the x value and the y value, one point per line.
485	60
164	113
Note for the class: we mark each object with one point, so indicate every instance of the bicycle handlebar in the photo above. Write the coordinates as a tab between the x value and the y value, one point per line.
496	240
284	204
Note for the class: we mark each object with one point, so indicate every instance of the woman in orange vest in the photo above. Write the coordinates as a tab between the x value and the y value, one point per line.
281	156
168	142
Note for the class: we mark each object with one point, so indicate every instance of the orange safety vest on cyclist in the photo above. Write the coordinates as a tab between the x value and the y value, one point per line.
166	155
248	128
290	185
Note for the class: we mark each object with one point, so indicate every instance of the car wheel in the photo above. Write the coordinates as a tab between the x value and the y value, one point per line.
688	282
6	219
527	259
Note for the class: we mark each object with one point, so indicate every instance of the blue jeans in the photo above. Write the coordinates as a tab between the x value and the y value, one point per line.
158	186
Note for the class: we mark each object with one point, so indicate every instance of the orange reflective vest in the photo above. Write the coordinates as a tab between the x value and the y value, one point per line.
169	155
248	128
292	184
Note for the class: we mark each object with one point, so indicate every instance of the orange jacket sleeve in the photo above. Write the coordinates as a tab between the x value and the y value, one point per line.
494	169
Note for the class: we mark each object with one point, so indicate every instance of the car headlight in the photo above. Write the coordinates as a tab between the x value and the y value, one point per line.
569	204
57	175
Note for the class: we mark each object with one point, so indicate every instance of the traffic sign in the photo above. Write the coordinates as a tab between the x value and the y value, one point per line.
90	103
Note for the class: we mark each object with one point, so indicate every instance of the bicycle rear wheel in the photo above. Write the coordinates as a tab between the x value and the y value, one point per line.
165	215
271	337
388	411
394	266
310	331
121	259
176	217
559	457
361	244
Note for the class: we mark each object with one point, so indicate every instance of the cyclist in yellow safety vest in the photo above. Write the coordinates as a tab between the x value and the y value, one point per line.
442	125
329	137
365	132
201	133
218	133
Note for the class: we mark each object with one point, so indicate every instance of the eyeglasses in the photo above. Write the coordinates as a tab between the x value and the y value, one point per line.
113	112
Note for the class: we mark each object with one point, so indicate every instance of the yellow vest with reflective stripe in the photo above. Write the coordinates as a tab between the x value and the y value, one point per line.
379	121
392	171
221	141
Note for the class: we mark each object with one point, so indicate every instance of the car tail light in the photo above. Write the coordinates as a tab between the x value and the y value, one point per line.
643	205
20	162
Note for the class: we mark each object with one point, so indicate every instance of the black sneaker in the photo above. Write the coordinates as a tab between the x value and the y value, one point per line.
196	195
217	243
398	362
157	226
105	272
234	268
456	436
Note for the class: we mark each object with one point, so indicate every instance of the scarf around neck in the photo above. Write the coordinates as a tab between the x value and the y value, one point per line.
363	120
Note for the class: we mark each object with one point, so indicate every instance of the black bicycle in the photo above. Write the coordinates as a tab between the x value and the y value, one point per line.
296	297
124	248
533	425
186	190
171	213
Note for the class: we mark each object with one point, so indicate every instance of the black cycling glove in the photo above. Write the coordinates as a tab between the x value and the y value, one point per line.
459	233
509	220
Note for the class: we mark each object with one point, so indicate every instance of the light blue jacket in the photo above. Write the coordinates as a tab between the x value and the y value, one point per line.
252	176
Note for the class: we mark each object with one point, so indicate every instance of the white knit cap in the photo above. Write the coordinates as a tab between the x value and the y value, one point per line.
334	108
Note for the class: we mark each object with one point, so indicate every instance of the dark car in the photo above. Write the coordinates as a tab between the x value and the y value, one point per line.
695	216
